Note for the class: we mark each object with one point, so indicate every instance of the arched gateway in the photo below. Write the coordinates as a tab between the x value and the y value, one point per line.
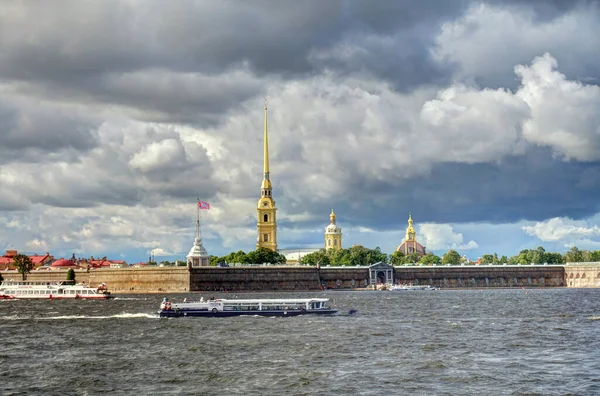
381	273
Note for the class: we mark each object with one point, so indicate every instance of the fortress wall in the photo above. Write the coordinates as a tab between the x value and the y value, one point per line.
120	280
344	278
179	279
254	278
582	275
483	276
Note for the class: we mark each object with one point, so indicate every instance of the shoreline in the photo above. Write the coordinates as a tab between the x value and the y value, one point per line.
204	292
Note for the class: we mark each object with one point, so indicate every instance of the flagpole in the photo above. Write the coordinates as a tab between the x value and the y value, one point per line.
198	218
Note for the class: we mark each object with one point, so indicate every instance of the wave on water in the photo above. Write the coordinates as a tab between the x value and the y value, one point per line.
123	315
130	298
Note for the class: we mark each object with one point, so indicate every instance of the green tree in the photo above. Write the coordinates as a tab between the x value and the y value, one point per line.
339	257
264	256
397	258
319	257
70	274
538	256
524	257
451	257
487	259
412	258
503	260
595	255
554	258
430	259
24	265
574	255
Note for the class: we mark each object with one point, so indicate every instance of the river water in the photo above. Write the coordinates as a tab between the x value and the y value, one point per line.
446	342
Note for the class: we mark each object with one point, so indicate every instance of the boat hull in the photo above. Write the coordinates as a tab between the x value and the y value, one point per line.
59	297
178	313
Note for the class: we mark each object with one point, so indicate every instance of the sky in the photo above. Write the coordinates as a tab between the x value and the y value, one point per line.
481	119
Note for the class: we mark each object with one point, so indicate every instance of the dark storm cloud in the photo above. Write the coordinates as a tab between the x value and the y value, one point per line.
28	133
533	187
547	9
79	48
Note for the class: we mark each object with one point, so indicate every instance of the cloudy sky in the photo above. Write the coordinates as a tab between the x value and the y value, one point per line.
482	119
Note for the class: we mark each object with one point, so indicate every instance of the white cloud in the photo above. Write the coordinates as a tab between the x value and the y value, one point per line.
159	155
443	237
474	44
561	229
565	115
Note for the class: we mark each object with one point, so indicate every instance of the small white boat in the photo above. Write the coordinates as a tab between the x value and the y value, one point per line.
259	307
55	290
413	287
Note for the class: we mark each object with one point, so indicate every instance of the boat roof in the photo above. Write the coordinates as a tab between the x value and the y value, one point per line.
272	300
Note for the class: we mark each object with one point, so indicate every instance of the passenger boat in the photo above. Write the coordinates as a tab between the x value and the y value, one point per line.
51	290
413	287
260	307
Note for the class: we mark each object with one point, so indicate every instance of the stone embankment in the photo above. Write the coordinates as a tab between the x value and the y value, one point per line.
120	280
277	278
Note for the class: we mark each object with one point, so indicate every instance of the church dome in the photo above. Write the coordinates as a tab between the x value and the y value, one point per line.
332	229
62	263
409	247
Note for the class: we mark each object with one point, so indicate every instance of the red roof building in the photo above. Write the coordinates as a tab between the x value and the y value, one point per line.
63	263
7	261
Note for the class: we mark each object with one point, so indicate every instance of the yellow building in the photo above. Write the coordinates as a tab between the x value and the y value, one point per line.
333	234
266	210
410	244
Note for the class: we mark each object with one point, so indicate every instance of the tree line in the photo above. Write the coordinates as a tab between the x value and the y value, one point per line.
258	256
358	255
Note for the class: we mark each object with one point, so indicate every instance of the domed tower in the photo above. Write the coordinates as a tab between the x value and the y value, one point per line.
333	234
410	244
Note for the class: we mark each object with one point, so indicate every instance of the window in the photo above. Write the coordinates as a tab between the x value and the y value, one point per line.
266	218
335	242
329	242
266	237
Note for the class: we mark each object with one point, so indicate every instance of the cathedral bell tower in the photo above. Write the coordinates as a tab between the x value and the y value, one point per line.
266	210
333	234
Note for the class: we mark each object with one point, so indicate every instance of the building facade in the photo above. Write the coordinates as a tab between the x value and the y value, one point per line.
410	244
266	210
333	234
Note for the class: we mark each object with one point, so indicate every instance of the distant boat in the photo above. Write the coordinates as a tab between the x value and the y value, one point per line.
55	290
413	287
259	307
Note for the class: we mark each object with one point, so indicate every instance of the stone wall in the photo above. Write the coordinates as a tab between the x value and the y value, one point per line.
483	276
121	280
577	275
254	278
276	278
179	279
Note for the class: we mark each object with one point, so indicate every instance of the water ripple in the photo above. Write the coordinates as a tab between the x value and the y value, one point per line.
498	342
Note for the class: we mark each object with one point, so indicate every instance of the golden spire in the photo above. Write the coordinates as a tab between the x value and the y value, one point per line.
332	217
266	182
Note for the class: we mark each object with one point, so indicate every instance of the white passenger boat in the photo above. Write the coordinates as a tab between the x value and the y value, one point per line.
413	287
55	290
259	307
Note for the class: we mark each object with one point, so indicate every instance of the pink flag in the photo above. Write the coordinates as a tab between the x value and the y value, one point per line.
203	205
